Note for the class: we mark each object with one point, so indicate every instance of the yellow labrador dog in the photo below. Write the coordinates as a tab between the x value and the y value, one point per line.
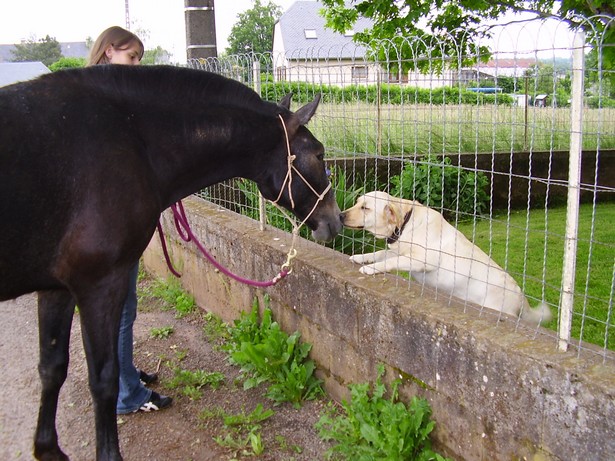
435	253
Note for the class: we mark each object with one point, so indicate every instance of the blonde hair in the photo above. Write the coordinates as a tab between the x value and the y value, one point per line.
119	39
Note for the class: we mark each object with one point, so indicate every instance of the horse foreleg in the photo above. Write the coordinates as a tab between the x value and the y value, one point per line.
100	319
55	316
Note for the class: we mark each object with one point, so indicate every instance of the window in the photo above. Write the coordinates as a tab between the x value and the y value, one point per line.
359	72
310	33
281	73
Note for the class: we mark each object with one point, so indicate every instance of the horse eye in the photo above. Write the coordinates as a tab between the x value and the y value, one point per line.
328	171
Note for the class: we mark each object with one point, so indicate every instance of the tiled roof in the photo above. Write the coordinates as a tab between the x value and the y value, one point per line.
13	72
304	33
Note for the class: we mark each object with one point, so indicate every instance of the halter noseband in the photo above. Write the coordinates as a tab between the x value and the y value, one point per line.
184	231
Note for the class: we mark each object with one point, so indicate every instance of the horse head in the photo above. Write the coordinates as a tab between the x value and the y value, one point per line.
301	183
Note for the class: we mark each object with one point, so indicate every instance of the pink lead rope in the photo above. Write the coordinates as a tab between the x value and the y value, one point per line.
184	231
186	234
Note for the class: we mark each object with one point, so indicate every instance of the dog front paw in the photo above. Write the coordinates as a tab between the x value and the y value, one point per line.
357	259
361	259
368	270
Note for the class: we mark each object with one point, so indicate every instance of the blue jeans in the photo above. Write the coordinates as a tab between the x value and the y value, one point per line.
132	393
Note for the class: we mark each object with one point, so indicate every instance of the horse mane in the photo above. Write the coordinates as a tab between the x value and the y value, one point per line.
166	85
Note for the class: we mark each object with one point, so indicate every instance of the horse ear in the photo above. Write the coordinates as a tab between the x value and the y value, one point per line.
304	114
285	102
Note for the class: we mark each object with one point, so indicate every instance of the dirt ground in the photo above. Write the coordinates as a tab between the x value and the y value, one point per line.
177	433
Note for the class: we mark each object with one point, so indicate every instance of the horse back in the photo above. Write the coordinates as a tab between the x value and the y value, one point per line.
67	163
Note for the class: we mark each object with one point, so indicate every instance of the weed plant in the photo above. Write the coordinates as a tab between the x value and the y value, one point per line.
191	383
174	297
243	431
266	353
161	332
373	427
215	330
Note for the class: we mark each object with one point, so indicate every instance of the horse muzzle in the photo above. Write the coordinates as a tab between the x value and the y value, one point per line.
327	228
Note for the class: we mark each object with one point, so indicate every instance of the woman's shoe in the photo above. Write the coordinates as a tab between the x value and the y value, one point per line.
147	378
156	402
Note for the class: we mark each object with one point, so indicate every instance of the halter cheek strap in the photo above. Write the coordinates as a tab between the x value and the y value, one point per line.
184	231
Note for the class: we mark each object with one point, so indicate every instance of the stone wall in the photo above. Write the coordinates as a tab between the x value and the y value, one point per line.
496	394
517	180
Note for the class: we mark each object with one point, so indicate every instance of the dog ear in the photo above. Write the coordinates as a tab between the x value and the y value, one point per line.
391	214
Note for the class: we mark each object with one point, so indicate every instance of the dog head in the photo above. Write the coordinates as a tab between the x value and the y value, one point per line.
376	212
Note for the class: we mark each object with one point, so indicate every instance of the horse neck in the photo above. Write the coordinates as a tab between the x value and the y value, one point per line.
212	151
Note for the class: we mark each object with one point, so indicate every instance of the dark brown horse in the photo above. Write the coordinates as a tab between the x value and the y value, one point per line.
89	159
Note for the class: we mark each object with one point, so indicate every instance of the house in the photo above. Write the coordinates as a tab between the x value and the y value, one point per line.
305	51
13	72
507	67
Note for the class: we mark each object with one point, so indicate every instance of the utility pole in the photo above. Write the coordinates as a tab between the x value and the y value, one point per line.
127	10
200	29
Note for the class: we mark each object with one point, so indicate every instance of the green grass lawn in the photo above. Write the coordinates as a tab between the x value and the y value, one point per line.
533	244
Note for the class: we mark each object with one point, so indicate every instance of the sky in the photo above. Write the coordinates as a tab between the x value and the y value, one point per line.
76	20
164	23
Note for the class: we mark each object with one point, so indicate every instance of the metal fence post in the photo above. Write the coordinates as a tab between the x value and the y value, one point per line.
574	192
262	204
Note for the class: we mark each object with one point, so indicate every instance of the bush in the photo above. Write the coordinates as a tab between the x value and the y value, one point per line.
389	94
374	427
266	353
67	63
437	184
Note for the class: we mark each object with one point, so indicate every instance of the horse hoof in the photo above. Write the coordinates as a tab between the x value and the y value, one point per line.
55	454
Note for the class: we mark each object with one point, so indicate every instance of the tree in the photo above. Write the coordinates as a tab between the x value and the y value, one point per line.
456	25
67	63
157	55
253	32
46	50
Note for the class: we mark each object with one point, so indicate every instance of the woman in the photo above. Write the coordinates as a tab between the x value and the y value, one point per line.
119	46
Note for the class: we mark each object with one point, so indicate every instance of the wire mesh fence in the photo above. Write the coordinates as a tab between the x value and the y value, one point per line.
514	147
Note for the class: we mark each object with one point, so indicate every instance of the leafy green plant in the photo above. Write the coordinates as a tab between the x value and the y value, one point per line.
67	63
244	429
174	297
258	415
215	330
192	382
266	353
346	197
374	427
436	183
283	444
161	332
250	208
237	441
192	392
